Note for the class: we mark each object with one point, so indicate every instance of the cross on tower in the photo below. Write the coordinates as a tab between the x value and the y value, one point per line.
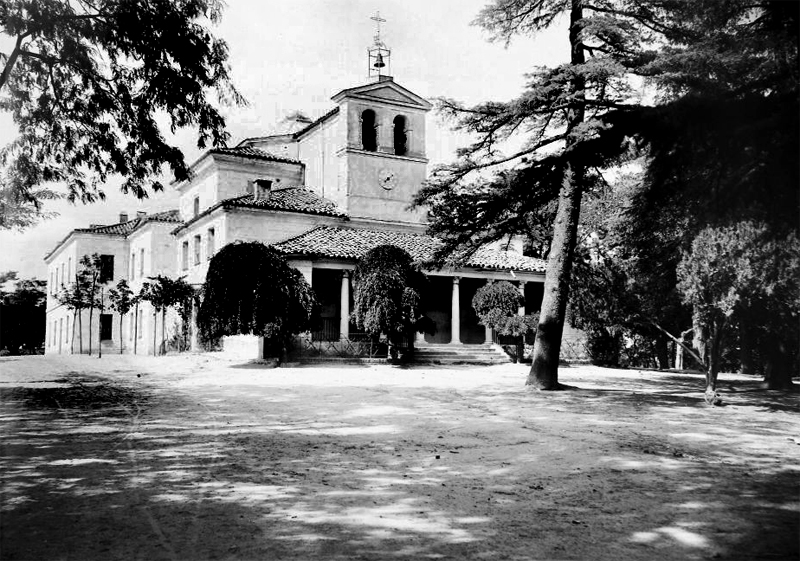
378	19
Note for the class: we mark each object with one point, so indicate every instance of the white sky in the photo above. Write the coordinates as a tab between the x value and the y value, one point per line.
296	55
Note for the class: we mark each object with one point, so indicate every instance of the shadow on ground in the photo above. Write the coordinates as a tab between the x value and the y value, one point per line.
101	468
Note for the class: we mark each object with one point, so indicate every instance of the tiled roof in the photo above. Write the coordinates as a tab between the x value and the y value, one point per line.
293	198
125	228
122	229
254	153
353	243
322	119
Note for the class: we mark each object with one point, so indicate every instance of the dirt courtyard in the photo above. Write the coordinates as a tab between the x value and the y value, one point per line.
197	457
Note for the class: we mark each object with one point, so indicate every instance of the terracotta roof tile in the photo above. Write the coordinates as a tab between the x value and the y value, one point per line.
125	228
292	198
353	243
253	153
122	229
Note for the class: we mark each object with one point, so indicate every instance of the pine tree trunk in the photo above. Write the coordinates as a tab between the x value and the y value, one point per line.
547	345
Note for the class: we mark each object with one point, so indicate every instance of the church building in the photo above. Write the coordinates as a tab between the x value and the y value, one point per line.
322	192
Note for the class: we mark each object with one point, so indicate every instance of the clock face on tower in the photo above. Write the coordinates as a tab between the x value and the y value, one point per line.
387	179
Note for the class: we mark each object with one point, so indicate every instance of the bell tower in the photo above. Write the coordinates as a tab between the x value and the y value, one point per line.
383	162
378	55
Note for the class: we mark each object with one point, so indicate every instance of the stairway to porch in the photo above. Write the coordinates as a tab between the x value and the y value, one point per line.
426	353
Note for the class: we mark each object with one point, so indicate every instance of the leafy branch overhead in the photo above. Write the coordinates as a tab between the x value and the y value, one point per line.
87	85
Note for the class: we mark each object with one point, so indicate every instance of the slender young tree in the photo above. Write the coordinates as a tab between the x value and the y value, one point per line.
121	298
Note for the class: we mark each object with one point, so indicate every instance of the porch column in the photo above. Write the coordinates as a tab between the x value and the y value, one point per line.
344	307
455	314
521	288
487	337
194	332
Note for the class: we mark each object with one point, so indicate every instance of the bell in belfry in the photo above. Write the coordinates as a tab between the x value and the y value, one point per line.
379	61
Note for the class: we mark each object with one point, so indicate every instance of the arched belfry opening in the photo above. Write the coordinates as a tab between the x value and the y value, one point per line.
400	136
369	131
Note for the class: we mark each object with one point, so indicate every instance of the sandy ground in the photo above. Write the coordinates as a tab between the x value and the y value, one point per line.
195	457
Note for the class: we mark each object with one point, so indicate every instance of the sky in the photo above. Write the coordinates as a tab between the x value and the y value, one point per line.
296	55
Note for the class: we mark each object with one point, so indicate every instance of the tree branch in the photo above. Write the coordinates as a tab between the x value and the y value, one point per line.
11	60
679	342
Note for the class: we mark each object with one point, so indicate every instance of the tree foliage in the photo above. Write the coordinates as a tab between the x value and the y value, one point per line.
743	272
163	293
22	308
496	302
87	84
251	289
122	300
386	293
718	145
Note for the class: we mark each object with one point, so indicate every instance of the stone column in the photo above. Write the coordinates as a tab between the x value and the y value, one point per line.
521	288
344	307
455	314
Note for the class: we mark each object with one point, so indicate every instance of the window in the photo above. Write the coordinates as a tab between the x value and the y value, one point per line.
141	262
400	137
210	244
130	326
52	284
106	268
369	132
67	336
197	249
196	209
133	264
69	269
185	255
140	324
63	278
106	323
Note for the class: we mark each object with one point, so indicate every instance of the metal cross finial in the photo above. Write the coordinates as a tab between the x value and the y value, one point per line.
377	19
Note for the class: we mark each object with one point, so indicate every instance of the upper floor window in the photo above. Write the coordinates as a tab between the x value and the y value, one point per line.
141	262
197	250
196	208
369	131
185	255
400	137
69	269
210	244
106	268
63	277
133	264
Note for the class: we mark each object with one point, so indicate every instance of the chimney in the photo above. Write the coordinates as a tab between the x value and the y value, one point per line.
140	214
263	189
123	217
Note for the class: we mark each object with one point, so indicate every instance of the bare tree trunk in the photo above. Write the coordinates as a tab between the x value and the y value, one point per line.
163	331
135	326
120	334
778	370
662	352
72	339
746	348
547	345
91	313
80	331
